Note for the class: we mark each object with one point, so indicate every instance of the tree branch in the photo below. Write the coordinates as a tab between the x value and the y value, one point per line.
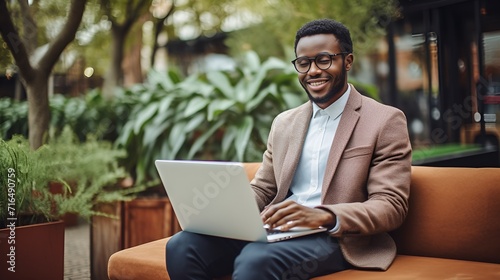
158	28
106	6
65	36
30	28
133	13
16	46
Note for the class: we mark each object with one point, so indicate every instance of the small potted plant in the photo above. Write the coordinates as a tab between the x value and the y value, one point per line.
88	173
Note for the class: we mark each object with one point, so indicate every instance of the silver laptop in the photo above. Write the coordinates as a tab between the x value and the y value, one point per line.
215	198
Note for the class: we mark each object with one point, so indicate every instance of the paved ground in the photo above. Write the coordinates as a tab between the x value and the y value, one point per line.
77	252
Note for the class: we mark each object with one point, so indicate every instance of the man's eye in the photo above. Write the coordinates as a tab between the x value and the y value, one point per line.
323	61
304	62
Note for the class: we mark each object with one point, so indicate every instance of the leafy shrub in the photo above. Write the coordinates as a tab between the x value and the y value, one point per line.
88	114
13	118
219	115
89	171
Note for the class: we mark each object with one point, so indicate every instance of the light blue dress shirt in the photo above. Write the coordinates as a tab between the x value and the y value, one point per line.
308	179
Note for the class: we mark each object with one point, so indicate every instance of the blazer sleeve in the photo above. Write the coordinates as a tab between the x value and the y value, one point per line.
264	183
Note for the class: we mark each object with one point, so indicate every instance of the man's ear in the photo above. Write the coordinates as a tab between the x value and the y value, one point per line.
349	59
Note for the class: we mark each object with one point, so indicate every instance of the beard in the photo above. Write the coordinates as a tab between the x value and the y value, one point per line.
338	82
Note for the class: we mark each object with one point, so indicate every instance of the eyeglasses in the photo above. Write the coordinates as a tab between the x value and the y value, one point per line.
323	61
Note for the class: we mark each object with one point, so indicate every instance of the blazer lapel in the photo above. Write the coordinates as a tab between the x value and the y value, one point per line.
348	121
299	126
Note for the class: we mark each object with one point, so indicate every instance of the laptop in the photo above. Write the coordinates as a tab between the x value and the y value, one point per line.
215	198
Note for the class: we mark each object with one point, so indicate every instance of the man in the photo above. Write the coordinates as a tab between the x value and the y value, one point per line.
340	161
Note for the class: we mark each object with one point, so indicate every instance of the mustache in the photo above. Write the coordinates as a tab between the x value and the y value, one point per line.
338	84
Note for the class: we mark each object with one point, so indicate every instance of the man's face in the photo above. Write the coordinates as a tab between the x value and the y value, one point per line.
324	86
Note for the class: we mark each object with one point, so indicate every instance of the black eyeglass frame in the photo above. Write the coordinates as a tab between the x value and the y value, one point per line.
313	59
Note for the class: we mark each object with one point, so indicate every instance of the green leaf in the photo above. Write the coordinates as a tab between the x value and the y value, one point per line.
180	108
274	63
195	105
261	97
165	103
257	81
145	115
194	86
252	87
125	135
163	116
252	61
176	138
151	133
243	137
193	123
159	78
140	169
197	145
227	141
216	107
222	83
292	99
164	151
241	90
263	132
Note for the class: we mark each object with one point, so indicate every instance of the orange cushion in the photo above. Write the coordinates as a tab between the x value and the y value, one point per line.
411	267
453	214
147	262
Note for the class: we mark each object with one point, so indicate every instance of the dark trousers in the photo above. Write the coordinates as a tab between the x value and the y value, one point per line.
196	256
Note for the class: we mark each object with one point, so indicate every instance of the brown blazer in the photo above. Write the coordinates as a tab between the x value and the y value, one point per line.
367	178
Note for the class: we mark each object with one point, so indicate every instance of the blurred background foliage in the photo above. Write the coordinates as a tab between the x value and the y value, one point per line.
280	19
219	115
266	26
166	112
222	115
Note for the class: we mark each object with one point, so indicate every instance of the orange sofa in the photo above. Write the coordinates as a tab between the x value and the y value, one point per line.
452	232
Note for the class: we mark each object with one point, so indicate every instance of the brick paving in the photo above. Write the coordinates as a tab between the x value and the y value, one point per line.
77	252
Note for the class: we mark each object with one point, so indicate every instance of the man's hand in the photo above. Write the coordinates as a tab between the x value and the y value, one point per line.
289	214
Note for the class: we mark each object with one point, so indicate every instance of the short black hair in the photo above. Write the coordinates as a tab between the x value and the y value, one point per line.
326	26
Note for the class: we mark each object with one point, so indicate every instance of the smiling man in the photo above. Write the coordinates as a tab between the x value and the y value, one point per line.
324	89
340	161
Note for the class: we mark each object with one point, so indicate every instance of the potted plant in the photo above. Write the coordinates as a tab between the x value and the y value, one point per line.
27	204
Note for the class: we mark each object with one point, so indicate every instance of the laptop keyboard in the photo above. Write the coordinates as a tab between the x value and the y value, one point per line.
273	231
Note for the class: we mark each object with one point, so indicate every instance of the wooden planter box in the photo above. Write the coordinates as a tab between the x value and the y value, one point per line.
38	252
140	221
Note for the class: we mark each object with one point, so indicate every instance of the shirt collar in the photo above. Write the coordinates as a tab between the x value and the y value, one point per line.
336	108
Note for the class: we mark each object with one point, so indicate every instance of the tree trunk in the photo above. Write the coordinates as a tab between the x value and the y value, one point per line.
38	112
114	75
132	68
35	77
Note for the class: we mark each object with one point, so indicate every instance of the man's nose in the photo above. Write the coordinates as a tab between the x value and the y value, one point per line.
314	69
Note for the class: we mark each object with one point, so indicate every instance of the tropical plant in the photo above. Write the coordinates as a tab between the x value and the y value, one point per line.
89	172
220	115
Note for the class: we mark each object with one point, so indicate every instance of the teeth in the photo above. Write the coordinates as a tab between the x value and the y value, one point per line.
317	83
